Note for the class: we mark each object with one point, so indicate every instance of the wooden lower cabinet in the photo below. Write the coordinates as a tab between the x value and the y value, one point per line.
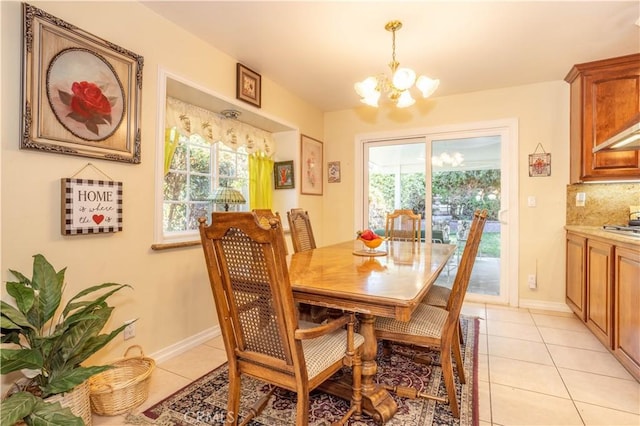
603	290
626	288
577	275
599	290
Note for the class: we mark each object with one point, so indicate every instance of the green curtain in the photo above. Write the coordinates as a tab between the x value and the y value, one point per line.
260	181
170	145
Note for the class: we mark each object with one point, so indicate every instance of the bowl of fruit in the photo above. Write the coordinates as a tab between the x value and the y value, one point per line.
370	239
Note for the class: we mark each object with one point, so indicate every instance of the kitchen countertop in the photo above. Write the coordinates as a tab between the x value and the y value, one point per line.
597	231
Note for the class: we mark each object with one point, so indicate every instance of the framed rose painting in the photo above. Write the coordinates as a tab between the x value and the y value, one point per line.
80	93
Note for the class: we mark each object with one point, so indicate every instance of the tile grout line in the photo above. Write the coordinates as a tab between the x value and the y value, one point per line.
558	371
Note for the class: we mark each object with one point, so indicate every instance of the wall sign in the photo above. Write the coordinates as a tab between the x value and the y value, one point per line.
91	206
539	163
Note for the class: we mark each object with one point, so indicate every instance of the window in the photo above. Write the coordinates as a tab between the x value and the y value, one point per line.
196	169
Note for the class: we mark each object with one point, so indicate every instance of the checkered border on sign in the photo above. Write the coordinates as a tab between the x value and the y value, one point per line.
67	213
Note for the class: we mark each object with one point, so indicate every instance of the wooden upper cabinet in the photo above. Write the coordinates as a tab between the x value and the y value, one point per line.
605	96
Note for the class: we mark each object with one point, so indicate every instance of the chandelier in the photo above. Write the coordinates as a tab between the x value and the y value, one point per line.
402	79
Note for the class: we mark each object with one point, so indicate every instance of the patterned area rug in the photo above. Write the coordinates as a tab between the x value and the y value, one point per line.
204	401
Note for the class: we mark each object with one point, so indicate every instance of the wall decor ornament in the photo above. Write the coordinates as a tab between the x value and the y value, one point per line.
91	206
539	163
333	172
283	175
248	85
81	95
311	164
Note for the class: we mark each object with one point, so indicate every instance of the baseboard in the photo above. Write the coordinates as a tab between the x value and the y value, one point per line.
544	306
186	344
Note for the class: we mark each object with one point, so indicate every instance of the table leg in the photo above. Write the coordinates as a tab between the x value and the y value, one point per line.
376	400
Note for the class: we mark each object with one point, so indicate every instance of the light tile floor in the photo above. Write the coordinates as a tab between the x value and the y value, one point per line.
534	368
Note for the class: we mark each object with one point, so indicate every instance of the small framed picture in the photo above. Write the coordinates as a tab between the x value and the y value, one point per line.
311	166
283	175
333	171
248	85
91	206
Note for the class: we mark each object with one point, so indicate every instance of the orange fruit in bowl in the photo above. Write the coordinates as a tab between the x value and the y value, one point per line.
372	244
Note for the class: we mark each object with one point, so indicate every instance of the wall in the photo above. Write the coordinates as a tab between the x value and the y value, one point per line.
542	111
171	295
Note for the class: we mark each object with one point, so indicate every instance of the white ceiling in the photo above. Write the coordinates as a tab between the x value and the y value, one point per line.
319	49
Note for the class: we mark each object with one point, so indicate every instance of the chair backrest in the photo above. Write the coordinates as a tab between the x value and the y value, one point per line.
403	225
461	280
250	284
264	216
301	231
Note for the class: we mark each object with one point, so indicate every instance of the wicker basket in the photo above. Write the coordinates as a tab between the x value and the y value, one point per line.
77	399
123	387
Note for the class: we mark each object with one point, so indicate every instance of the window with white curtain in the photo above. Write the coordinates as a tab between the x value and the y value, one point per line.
204	151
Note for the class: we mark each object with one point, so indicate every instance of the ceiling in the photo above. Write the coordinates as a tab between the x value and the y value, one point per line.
319	49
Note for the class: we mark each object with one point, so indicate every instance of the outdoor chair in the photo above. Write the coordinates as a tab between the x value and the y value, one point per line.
247	266
435	327
403	225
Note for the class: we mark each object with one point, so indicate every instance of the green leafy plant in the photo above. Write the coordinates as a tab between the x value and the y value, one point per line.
50	344
35	411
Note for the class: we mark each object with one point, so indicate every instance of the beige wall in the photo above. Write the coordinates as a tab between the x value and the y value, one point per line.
542	111
171	295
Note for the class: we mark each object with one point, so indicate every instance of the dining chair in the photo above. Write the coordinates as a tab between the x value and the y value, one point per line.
247	266
403	225
435	327
302	240
439	295
301	230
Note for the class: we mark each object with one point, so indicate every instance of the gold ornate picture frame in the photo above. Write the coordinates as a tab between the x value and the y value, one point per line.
81	95
248	85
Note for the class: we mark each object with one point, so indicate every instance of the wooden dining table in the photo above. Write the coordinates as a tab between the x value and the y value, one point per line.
389	282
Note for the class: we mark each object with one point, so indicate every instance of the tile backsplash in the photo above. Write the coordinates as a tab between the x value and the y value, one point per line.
605	203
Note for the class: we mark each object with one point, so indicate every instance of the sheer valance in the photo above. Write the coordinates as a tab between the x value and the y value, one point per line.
188	119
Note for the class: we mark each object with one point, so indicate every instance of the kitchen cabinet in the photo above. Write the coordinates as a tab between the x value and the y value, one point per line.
599	290
576	275
603	290
604	96
626	289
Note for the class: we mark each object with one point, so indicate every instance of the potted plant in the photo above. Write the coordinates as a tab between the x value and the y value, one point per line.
48	345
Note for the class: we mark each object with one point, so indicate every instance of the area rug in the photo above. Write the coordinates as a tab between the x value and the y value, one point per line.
204	401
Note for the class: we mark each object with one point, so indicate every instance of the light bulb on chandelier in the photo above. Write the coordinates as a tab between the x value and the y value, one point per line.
398	87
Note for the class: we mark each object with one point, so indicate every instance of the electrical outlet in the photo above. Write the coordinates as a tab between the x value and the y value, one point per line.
531	279
531	201
130	330
581	198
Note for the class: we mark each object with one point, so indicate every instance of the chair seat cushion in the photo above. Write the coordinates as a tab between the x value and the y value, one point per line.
426	320
437	296
321	352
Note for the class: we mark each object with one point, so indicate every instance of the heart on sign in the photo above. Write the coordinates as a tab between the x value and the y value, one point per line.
98	218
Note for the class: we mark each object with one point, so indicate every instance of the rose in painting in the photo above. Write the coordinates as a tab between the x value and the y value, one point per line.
88	105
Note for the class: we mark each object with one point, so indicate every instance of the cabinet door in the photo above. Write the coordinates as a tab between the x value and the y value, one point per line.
576	275
626	338
605	95
599	290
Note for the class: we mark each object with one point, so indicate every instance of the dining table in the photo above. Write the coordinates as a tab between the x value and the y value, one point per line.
389	281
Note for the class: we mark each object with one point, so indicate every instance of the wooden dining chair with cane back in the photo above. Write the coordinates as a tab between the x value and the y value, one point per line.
301	230
302	240
246	263
439	295
403	225
435	327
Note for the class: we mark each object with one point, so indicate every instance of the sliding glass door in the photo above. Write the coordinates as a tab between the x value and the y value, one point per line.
466	170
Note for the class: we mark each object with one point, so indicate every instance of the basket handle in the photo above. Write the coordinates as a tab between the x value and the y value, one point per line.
134	346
